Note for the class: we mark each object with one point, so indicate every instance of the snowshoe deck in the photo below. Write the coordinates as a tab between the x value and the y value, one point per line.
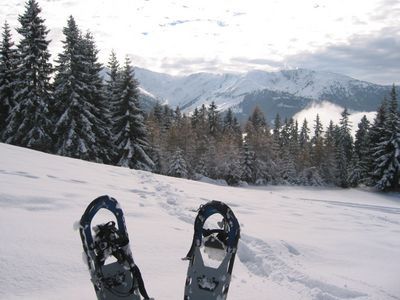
117	280
205	282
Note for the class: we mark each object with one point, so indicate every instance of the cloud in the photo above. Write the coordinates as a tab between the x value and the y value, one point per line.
374	57
181	22
191	65
327	112
387	11
371	57
261	62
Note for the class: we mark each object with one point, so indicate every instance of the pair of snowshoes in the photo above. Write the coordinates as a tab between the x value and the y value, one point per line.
122	279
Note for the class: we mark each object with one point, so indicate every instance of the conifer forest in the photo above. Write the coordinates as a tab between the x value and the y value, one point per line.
69	107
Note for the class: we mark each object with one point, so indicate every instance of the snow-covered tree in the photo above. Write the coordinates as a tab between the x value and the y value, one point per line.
73	127
287	168
77	115
304	160
200	167
95	95
178	166
329	162
317	144
344	149
231	128
232	169
259	140
214	119
29	122
310	177
8	78
112	81
387	152
130	133
361	160
248	165
376	132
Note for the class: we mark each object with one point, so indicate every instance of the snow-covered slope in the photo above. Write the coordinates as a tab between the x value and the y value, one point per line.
229	90
297	243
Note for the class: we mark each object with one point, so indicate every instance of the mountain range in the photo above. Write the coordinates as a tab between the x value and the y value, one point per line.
285	92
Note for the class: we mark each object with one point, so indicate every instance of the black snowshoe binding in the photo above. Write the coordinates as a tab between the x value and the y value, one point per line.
118	280
205	282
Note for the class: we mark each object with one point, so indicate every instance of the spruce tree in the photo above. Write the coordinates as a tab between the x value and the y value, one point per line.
258	138
95	95
8	77
129	130
112	80
29	123
214	119
376	131
178	166
362	159
248	165
76	130
287	169
387	152
344	149
304	161
329	163
231	127
233	171
317	144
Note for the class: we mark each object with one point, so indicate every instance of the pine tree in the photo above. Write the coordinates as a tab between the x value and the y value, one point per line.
113	79
317	144
214	119
76	131
201	167
376	131
232	169
8	78
248	165
29	123
304	160
72	124
259	140
362	159
129	130
304	137
178	166
231	127
344	149
95	95
287	168
387	155
212	159
329	164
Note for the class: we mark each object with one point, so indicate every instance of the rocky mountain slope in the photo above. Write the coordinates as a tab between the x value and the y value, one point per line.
286	92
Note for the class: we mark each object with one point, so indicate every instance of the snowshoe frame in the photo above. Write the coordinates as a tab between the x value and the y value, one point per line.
207	283
118	280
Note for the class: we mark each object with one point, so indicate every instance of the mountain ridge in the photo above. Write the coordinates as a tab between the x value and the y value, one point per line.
271	90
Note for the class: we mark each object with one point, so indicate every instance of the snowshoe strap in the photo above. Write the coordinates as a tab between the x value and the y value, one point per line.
101	202
136	274
207	210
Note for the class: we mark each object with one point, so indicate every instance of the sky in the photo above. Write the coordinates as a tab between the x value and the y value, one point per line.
357	38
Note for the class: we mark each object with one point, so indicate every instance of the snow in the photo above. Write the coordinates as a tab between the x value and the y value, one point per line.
229	89
297	242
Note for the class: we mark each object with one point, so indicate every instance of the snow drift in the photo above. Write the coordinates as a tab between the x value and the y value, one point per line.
297	243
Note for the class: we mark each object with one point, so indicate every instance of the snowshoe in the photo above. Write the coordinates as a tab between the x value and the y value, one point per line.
206	282
120	279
